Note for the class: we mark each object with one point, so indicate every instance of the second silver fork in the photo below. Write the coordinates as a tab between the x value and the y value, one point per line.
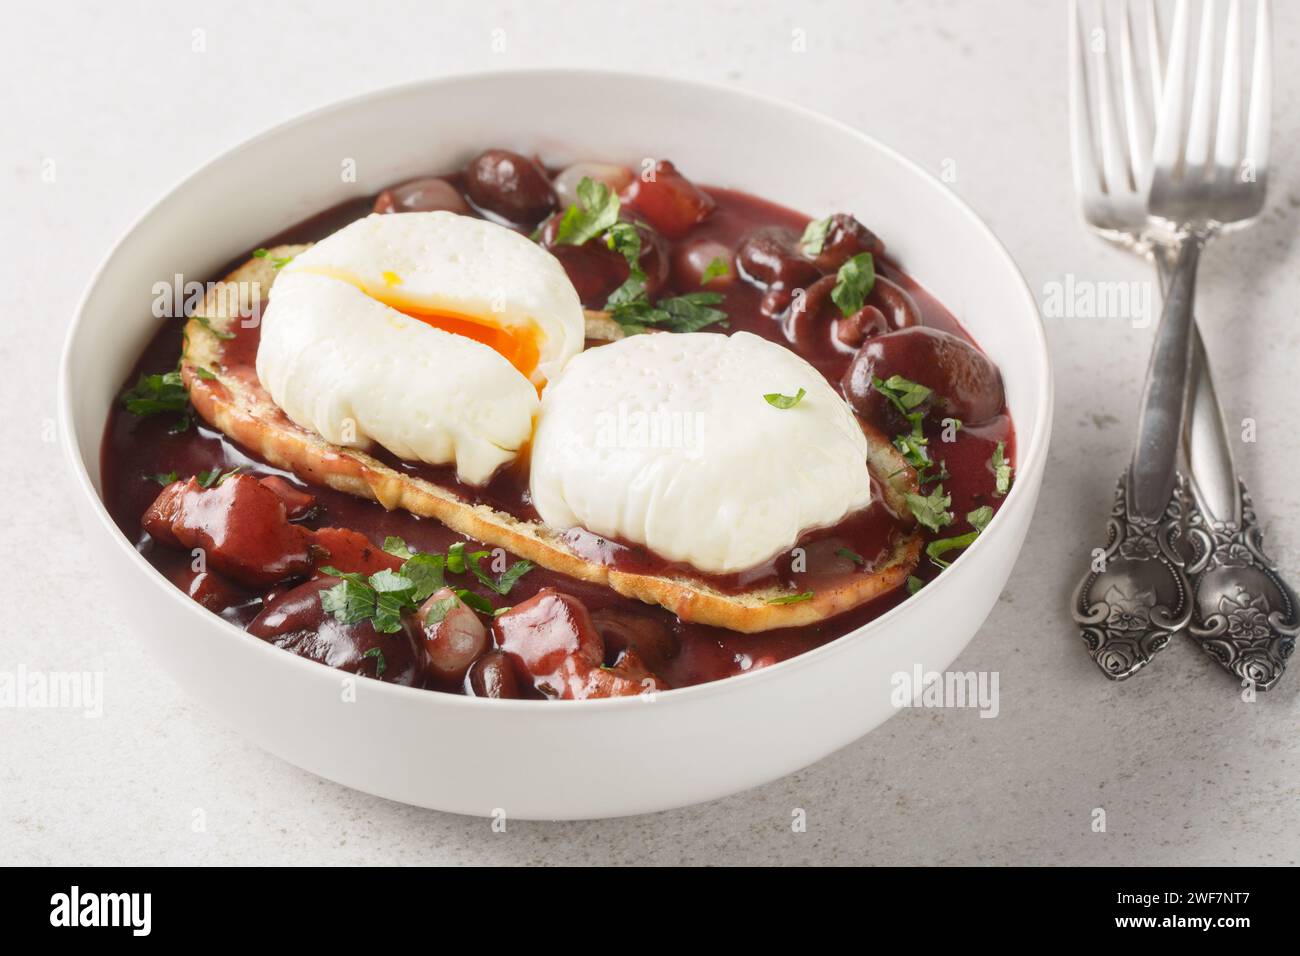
1137	593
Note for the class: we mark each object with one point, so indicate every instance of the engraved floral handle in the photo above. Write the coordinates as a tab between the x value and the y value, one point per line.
1135	596
1245	615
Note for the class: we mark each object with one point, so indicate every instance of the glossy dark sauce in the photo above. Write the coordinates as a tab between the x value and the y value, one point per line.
134	449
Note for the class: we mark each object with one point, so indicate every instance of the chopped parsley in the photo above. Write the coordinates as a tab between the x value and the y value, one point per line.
438	610
476	601
206	322
716	269
792	598
210	479
425	572
814	237
909	398
159	394
1001	470
903	393
165	478
277	262
852	556
380	598
381	665
931	510
684	313
502	584
853	283
624	239
383	596
397	547
456	558
978	519
595	214
777	400
595	211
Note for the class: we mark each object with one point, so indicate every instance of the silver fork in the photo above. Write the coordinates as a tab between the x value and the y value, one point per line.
1136	595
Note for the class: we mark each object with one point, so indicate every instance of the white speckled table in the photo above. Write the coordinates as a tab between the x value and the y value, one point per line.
119	104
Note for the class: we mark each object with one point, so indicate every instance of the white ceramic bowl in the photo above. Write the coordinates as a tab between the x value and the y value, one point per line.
544	759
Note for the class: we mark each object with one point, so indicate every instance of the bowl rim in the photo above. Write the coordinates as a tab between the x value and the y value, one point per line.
1031	453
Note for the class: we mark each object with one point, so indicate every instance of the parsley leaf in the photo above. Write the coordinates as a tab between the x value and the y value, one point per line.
425	572
386	595
792	598
978	519
476	601
595	211
716	269
277	262
905	394
386	581
154	394
814	236
909	398
206	322
931	510
165	478
777	400
624	239
1001	470
438	610
456	558
397	547
381	598
501	585
389	606
381	665
853	283
943	545
684	313
351	601
852	556
210	479
511	575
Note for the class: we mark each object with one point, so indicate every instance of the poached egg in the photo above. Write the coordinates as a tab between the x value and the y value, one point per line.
666	440
427	333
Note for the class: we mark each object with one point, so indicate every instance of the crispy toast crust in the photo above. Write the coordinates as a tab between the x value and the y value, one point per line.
244	411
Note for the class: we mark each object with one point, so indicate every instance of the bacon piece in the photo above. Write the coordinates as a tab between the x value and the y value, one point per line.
241	525
349	550
297	503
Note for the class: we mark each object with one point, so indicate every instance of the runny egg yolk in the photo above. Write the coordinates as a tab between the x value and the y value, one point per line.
519	343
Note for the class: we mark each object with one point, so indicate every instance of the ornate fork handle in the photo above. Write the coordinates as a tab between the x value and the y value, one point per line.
1136	596
1229	596
1246	616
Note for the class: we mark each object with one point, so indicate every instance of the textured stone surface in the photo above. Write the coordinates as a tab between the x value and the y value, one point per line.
1186	771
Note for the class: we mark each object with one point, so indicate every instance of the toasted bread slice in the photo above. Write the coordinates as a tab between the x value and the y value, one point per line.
244	411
